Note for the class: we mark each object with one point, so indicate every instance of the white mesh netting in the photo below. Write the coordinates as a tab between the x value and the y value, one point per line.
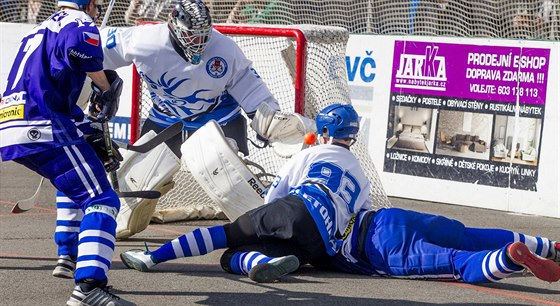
523	19
274	58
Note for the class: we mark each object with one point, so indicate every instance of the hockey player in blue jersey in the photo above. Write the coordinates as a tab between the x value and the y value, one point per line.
408	244
309	206
43	129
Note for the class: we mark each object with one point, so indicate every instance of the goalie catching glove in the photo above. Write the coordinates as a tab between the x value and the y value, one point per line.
103	105
284	131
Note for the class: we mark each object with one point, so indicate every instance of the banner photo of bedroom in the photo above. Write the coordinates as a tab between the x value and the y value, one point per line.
467	113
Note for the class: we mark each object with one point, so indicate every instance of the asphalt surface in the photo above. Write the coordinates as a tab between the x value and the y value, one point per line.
28	255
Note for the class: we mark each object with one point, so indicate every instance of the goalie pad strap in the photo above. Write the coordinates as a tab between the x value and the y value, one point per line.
262	119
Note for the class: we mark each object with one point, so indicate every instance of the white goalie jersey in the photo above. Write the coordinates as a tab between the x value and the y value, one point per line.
216	89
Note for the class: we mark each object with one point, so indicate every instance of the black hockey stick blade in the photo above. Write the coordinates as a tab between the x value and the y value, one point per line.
143	194
161	137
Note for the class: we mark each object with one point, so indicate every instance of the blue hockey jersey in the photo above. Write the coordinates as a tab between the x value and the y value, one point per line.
39	108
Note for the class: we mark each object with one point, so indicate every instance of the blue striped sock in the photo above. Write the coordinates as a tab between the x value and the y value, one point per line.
242	262
68	219
198	242
497	265
538	245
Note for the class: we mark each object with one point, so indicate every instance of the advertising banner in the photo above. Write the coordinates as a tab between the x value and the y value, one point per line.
452	113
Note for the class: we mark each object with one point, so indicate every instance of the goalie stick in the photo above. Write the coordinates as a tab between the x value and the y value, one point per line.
161	137
144	194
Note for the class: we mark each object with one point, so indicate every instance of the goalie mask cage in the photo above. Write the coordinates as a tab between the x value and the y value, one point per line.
304	67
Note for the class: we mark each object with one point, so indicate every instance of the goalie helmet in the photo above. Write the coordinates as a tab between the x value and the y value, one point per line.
339	121
190	26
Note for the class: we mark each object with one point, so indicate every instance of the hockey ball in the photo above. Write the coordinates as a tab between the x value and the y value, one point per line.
309	138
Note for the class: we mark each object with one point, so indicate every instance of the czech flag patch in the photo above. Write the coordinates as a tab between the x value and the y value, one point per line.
91	38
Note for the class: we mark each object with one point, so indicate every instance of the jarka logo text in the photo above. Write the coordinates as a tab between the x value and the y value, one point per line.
425	71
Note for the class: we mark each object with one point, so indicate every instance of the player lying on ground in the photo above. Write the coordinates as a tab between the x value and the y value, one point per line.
443	244
43	135
408	244
310	204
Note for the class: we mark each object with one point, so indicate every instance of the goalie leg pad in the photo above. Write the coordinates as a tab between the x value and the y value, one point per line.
144	171
220	172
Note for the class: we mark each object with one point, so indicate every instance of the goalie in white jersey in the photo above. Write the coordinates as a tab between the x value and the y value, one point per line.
194	73
307	210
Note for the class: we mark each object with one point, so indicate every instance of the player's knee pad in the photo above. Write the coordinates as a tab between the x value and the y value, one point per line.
107	206
144	171
108	198
220	172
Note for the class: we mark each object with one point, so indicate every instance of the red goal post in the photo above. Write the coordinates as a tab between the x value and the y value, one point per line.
304	67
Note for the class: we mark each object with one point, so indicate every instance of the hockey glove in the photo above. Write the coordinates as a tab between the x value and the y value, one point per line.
111	163
284	131
103	105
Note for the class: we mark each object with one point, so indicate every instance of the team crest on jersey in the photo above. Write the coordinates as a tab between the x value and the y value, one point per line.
34	134
216	67
91	38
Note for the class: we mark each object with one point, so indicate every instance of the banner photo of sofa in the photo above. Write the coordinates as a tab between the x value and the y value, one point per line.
452	113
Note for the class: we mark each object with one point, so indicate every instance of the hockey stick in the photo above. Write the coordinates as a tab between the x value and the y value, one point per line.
25	205
161	137
144	194
107	13
22	206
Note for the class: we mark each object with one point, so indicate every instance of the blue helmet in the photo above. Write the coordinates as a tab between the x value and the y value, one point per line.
340	121
76	4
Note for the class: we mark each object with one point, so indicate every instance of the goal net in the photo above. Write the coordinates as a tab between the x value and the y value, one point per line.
520	19
304	68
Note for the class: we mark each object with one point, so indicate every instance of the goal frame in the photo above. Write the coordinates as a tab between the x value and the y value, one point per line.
228	29
311	75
